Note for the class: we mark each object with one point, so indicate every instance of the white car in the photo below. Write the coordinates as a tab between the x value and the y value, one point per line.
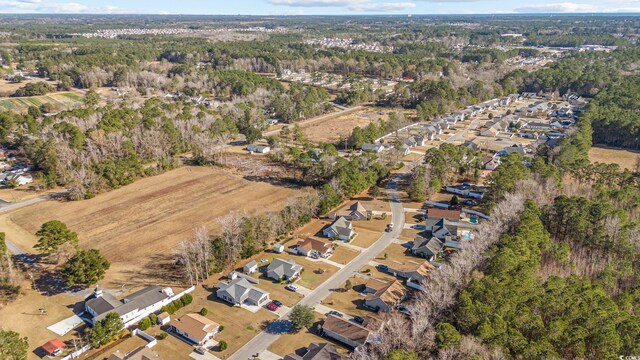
291	287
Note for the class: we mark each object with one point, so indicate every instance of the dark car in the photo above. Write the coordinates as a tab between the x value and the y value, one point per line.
333	312
382	267
277	303
358	320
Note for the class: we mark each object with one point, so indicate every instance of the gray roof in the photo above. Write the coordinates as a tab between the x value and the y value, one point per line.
317	351
250	264
139	300
341	226
240	290
282	267
432	245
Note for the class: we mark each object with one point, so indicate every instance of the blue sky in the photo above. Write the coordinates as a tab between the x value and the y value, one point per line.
314	7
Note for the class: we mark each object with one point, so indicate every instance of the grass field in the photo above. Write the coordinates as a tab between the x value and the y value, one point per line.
60	101
138	226
625	158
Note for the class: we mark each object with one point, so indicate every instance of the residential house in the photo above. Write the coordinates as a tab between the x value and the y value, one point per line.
435	213
314	247
141	353
529	95
195	327
444	230
505	101
315	351
53	347
427	248
132	308
19	178
278	248
387	298
374	285
260	149
538	125
466	191
250	267
345	331
240	291
341	229
355	212
376	148
281	269
413	271
492	164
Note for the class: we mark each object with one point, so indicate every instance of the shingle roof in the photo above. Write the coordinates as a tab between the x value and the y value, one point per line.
284	267
347	329
240	289
196	325
317	351
391	294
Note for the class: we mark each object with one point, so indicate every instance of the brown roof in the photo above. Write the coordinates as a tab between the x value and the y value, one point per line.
390	294
376	284
312	243
346	328
163	315
444	214
196	325
53	345
423	268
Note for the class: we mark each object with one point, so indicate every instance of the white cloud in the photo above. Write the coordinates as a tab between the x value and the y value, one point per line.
40	6
318	3
353	5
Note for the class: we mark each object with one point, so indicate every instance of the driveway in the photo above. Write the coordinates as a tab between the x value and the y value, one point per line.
63	327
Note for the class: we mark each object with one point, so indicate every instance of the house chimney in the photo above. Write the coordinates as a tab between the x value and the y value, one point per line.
97	292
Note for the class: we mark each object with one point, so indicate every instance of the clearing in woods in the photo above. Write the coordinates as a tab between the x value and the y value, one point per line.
623	157
137	227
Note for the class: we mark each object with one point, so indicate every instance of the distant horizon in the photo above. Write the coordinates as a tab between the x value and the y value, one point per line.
319	7
550	14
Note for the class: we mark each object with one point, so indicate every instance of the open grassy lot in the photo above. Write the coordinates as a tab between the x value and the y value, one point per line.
627	159
365	236
23	193
350	302
23	316
410	234
396	253
137	227
342	255
59	101
291	343
315	272
375	273
336	128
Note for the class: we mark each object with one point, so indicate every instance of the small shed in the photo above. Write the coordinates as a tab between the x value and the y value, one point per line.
279	248
54	347
250	267
164	318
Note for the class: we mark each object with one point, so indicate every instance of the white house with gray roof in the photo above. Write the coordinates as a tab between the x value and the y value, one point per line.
283	269
240	291
340	229
132	308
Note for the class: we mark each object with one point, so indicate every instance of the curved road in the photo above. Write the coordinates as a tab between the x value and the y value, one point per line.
263	340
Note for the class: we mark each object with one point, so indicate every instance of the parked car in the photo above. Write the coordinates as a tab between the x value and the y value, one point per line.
389	227
273	307
200	350
333	312
382	267
291	287
358	320
278	303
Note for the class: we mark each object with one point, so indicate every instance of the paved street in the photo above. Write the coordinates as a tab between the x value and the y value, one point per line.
263	340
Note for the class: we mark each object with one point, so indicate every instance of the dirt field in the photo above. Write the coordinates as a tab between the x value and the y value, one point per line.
137	227
290	343
338	128
625	158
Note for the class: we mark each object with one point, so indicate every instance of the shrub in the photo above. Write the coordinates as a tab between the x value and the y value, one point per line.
154	319
222	345
186	299
144	324
163	335
204	311
220	328
178	304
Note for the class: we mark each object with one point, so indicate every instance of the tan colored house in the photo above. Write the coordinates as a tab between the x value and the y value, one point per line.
435	213
374	285
314	247
195	327
387	298
141	353
345	331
